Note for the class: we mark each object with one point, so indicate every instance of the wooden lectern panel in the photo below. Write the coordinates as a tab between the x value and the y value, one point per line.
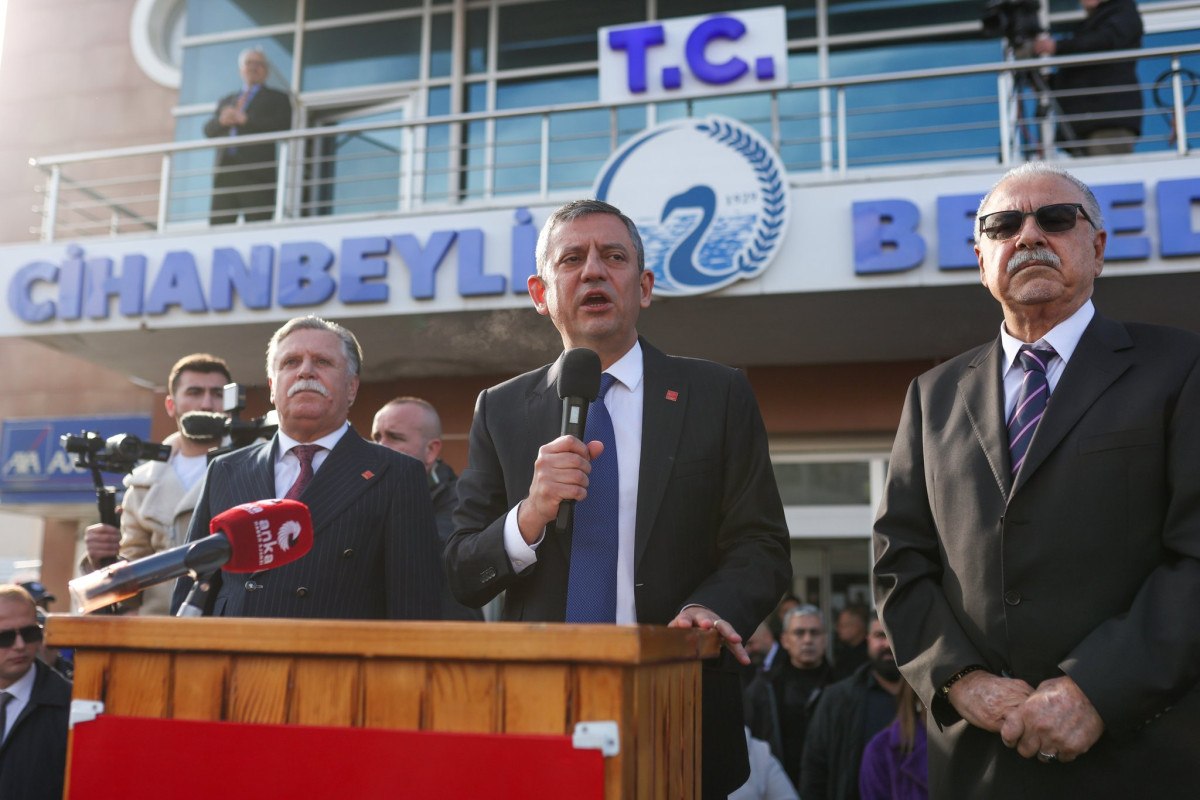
493	678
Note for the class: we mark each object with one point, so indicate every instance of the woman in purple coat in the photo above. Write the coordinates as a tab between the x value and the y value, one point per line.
894	763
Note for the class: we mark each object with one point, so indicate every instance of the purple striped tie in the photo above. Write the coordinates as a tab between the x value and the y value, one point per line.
1031	403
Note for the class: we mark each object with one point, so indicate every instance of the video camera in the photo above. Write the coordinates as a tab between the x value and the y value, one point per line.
1015	20
207	425
119	454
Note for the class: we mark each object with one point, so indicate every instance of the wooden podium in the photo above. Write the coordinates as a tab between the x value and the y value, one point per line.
461	677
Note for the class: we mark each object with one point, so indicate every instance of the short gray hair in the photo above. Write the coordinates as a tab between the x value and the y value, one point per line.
584	208
253	51
1037	169
433	426
312	322
806	610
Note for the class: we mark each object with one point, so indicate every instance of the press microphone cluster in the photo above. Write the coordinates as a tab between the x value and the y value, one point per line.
578	386
248	538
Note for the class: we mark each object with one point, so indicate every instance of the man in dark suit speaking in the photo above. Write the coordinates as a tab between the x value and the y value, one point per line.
245	177
375	547
688	529
1038	545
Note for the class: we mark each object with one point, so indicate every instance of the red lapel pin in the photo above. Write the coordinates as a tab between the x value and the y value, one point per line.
672	395
368	475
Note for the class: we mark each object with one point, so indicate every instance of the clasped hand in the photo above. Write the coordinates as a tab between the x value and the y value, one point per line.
1056	721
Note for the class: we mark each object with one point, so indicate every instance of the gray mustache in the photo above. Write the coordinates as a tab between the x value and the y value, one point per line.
1041	254
308	385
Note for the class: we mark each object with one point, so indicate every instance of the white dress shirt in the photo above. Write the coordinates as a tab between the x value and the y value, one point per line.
624	404
21	690
1063	337
287	465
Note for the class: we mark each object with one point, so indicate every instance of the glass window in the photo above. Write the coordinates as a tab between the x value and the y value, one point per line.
191	174
440	44
824	483
325	9
477	39
210	71
1158	124
358	171
437	148
801	14
558	31
954	117
862	16
360	55
218	16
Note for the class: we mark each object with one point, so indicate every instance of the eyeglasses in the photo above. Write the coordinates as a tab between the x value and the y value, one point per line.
30	633
1054	218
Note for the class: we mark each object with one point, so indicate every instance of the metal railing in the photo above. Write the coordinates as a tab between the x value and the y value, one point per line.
823	129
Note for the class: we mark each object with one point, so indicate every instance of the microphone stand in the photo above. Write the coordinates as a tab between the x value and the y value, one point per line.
197	598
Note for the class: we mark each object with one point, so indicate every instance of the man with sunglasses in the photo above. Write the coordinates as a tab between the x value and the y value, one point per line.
35	703
1038	544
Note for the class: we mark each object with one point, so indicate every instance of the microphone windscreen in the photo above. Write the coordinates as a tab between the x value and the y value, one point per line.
580	374
265	534
203	424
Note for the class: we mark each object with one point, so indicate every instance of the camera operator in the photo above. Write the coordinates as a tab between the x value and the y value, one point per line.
160	496
1109	25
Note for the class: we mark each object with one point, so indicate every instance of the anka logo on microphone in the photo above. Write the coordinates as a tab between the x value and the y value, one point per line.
710	199
287	535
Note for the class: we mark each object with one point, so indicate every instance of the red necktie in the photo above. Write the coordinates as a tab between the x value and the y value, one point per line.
305	453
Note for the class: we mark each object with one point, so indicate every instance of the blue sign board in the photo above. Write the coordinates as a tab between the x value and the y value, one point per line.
34	467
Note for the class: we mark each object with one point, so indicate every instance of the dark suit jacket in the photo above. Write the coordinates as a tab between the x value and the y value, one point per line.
375	551
1087	564
269	110
709	526
33	758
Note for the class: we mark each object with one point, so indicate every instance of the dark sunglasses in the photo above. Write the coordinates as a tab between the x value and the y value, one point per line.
1054	218
30	633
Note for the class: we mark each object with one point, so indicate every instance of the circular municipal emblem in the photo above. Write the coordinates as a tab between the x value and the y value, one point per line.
709	197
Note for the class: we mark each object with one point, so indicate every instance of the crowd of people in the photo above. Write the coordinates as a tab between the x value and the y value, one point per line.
1031	556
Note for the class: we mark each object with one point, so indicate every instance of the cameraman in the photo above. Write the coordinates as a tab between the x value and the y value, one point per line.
160	496
1109	25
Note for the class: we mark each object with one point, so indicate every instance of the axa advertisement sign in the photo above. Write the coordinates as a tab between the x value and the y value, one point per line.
34	466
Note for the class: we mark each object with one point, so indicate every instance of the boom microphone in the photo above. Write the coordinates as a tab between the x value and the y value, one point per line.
247	538
578	385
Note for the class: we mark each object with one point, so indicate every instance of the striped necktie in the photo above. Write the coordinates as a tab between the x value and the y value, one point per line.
1031	403
305	453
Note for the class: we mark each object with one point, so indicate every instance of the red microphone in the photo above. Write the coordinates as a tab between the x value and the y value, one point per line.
248	538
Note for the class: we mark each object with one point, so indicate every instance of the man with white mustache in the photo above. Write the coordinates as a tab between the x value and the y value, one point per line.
1038	544
375	549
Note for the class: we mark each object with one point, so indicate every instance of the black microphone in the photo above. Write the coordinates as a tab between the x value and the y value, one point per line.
578	385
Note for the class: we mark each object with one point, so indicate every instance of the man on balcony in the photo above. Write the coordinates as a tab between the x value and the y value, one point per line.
245	175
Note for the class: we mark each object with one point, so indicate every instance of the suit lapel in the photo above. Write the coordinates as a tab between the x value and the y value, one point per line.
1102	355
662	424
350	469
260	478
983	397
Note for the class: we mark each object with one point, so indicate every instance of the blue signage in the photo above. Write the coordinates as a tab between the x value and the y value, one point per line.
34	467
291	275
887	240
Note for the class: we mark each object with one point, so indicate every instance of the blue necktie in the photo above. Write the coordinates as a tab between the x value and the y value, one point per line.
592	585
1031	403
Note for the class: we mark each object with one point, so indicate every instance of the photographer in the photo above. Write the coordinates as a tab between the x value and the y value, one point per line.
1109	25
160	496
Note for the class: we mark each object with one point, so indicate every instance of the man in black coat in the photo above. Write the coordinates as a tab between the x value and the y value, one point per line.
35	703
245	177
694	535
1098	122
850	712
375	548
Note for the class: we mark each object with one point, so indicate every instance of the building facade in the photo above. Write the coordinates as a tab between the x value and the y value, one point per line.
805	175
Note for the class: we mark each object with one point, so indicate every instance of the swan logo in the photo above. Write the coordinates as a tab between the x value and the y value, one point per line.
289	534
700	235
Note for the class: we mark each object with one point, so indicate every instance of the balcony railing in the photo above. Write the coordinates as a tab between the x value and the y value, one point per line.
997	113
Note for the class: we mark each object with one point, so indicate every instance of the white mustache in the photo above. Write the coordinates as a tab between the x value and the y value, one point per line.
1023	257
308	385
